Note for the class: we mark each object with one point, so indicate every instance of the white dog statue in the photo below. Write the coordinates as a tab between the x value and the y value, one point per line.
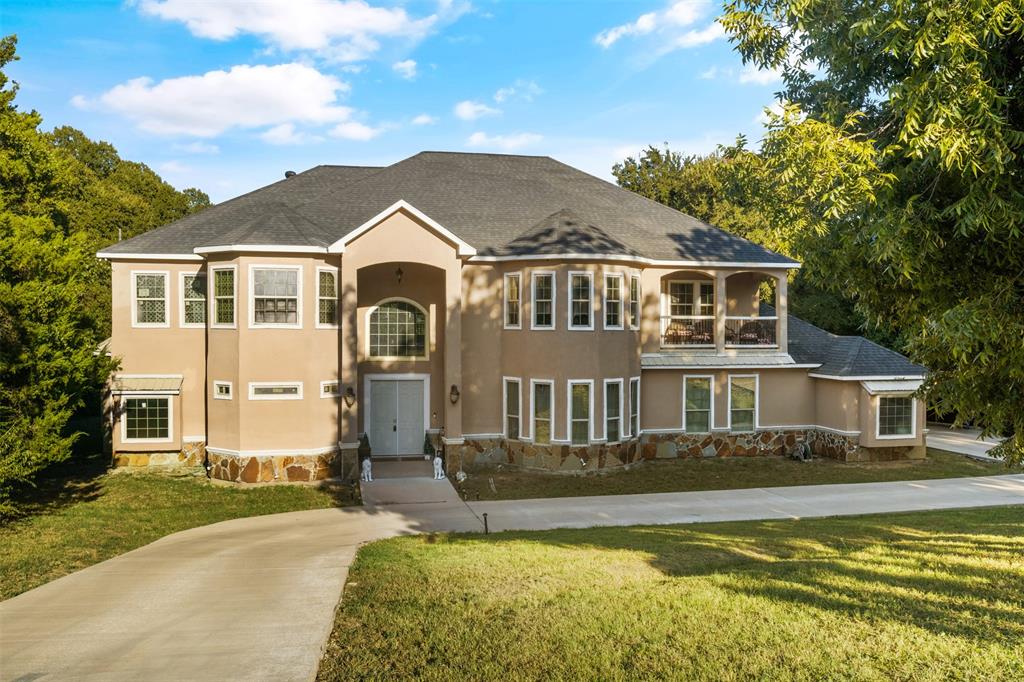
367	473
438	468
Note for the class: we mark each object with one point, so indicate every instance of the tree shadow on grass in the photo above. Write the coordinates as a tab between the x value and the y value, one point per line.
60	485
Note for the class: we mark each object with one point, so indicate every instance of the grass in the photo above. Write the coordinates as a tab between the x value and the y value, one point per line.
79	521
717	474
919	596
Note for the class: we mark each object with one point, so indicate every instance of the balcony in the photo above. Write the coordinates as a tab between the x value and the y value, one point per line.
688	331
745	332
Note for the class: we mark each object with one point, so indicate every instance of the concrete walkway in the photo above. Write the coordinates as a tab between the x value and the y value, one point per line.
254	599
961	441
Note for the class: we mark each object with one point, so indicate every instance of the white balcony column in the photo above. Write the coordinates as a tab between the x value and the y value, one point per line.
721	307
781	308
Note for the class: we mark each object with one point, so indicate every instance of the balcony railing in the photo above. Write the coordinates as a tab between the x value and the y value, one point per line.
751	331
687	330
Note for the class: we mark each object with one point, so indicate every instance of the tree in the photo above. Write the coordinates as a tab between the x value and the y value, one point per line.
901	143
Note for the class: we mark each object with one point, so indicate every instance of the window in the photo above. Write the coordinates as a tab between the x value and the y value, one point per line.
543	300
543	400
581	300
706	303
613	410
275	296
150	305
282	390
398	329
327	298
579	412
634	407
742	403
634	302
223	297
146	418
222	390
896	417
329	389
511	408
613	301
512	300
697	400
193	299
680	298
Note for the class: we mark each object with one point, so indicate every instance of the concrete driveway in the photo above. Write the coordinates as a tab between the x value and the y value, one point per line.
961	441
254	599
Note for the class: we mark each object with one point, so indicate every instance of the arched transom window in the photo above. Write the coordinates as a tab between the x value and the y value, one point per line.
398	329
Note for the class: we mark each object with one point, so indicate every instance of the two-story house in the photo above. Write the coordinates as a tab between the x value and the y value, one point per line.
519	309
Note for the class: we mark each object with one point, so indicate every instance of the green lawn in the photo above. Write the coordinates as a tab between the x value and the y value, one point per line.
77	522
716	474
921	596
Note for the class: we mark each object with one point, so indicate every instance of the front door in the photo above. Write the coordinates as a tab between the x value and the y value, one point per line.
396	417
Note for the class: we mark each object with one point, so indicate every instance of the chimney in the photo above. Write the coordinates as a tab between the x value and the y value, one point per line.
288	174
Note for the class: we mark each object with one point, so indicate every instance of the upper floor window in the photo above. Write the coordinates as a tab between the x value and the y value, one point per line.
691	298
223	297
896	415
581	300
512	301
398	329
193	299
634	302
706	302
327	298
543	300
742	403
613	301
150	305
275	296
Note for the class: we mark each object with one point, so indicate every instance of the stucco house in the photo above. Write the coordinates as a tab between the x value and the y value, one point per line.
514	308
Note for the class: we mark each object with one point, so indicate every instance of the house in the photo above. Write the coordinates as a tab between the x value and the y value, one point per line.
514	308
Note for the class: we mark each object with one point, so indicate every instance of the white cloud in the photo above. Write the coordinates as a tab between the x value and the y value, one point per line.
503	142
198	148
406	68
353	130
645	23
752	74
286	134
693	38
470	111
764	117
523	89
217	101
667	25
424	120
173	167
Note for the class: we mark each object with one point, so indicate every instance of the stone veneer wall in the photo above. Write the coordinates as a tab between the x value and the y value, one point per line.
190	455
283	468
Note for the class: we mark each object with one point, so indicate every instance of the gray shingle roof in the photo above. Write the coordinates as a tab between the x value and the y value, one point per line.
491	201
563	232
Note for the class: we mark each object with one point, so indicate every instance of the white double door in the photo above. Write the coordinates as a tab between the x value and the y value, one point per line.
396	417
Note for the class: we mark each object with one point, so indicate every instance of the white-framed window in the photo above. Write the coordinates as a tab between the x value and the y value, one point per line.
513	301
396	329
225	289
613	301
275	296
193	299
147	419
327	298
706	299
510	408
581	301
330	389
275	390
895	417
542	405
634	302
613	417
149	298
542	297
743	399
222	390
579	411
698	403
634	407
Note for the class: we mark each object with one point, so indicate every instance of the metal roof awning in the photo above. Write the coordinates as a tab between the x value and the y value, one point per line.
128	385
904	386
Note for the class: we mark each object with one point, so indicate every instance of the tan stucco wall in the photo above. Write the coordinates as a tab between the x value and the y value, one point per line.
869	415
837	404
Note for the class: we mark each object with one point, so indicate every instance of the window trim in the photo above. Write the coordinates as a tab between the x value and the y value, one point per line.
533	299
634	320
170	418
504	296
257	384
604	302
336	299
212	297
326	383
757	401
878	416
711	409
504	406
252	297
568	311
166	274
629	406
426	332
231	390
533	411
590	411
181	300
604	399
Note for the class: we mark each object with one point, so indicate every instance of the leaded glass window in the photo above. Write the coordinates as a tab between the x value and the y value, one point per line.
224	296
151	298
398	329
275	296
327	297
194	299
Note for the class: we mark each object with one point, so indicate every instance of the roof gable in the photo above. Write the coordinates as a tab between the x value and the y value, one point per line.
463	248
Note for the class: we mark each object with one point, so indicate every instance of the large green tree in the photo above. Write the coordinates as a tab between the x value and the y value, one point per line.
899	152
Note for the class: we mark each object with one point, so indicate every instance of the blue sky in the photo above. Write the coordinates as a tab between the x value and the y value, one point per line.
227	95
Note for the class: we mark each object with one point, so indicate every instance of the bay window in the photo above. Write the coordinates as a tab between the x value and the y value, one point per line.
581	301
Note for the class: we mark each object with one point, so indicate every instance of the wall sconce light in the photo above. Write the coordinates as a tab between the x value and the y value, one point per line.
453	395
349	397
398	274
